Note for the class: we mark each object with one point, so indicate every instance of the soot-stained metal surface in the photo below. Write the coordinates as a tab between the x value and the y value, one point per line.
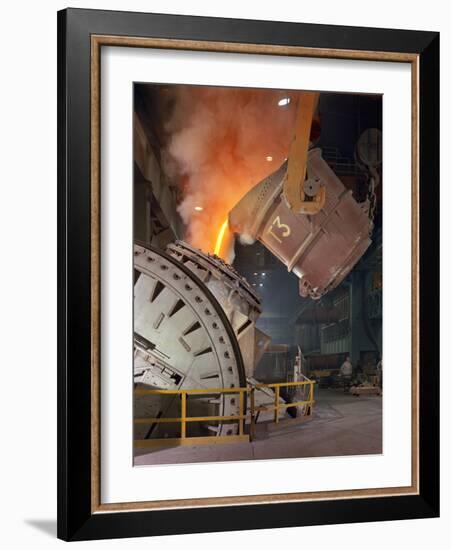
321	249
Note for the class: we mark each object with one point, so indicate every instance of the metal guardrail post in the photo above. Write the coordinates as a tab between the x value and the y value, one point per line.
241	421
252	428
183	416
276	404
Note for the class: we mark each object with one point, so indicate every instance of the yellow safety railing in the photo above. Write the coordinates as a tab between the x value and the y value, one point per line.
277	405
241	417
183	419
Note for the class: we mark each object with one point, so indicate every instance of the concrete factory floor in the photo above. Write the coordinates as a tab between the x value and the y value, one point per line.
342	425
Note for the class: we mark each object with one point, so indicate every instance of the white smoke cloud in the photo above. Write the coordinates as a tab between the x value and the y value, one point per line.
219	141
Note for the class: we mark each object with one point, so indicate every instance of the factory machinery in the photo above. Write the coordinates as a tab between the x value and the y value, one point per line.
194	329
195	316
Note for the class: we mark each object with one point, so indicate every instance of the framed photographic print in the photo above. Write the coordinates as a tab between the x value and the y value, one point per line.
248	274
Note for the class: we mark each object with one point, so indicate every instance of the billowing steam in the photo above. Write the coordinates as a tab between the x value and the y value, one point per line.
222	141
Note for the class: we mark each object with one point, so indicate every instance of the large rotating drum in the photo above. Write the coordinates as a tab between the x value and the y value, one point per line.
240	302
183	340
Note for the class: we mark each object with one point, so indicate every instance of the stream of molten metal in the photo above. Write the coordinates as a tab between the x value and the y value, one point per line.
221	237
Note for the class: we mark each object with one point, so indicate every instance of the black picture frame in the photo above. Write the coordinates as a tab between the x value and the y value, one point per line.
76	519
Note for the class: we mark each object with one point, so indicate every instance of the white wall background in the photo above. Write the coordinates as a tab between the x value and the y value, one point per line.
28	270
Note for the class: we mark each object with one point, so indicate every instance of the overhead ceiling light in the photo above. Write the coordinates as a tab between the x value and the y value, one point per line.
261	284
198	208
255	273
263	274
284	101
269	158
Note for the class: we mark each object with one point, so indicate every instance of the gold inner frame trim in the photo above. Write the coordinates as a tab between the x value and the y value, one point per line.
97	41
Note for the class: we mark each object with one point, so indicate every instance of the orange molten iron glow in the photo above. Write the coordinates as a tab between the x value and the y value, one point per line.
220	237
218	144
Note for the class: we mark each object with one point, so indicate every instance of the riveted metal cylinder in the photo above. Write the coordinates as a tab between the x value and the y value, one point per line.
240	302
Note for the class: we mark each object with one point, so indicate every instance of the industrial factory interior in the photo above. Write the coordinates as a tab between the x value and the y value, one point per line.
257	274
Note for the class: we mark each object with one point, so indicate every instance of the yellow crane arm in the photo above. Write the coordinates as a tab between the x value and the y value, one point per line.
293	188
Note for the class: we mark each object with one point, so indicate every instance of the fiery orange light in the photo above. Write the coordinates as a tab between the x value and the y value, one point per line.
236	138
221	237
